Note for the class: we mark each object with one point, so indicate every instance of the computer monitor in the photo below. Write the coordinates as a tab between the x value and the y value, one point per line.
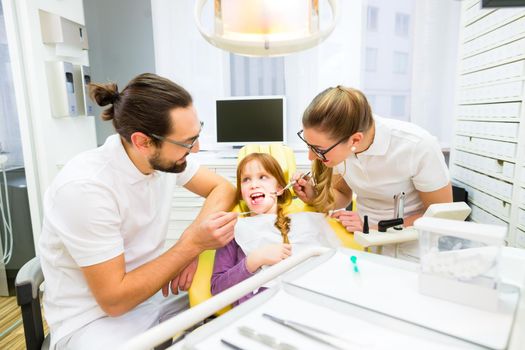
251	119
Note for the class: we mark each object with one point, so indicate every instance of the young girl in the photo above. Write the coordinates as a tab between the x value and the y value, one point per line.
266	236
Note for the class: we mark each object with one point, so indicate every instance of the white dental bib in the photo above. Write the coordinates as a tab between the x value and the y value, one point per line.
306	229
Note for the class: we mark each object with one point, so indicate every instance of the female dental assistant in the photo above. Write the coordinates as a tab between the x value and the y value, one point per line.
355	151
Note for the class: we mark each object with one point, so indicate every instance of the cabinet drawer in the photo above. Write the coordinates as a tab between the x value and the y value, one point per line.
495	74
184	213
520	238
498	35
488	202
521	218
174	234
474	13
495	56
488	129
181	192
485	183
510	110
503	91
481	216
489	147
179	225
169	243
187	202
228	171
490	166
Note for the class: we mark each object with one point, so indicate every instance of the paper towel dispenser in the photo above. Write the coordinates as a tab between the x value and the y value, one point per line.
61	31
63	91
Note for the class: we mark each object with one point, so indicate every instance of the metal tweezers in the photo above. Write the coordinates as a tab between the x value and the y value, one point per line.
308	331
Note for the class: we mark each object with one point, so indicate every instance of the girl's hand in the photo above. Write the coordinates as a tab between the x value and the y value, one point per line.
303	188
349	219
267	255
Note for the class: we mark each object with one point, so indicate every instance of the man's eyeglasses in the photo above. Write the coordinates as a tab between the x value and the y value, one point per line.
188	146
319	152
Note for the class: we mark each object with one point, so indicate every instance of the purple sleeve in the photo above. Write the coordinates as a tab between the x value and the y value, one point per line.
229	268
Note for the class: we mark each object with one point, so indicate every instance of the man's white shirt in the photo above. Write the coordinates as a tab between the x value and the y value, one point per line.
98	207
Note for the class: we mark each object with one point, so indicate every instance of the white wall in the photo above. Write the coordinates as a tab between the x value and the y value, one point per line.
121	46
47	142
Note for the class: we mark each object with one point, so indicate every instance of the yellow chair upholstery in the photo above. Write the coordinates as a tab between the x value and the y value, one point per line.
200	289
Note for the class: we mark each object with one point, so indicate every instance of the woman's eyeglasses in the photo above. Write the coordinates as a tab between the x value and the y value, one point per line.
319	152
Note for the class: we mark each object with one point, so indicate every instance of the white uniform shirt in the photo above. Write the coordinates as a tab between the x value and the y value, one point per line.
98	207
402	158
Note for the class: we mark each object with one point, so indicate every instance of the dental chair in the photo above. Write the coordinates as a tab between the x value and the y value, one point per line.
200	289
27	284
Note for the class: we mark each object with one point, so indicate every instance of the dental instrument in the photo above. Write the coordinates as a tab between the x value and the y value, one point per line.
332	211
230	345
246	212
311	332
265	339
290	184
399	208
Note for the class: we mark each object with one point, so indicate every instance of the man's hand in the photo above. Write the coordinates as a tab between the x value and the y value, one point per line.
214	232
267	255
183	280
349	219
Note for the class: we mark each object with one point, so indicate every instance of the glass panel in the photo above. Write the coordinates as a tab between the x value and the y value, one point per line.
387	56
371	59
10	142
402	24
400	65
398	106
251	76
371	17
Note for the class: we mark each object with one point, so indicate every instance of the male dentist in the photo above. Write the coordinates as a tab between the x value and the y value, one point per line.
106	217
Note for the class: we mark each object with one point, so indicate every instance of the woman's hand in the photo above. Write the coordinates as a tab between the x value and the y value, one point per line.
267	255
303	188
349	219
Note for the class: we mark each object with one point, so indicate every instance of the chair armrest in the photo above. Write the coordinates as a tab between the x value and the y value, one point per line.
30	274
27	283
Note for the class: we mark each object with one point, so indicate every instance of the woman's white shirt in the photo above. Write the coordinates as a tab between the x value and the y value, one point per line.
306	229
402	158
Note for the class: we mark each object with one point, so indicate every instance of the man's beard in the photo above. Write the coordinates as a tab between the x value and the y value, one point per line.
157	164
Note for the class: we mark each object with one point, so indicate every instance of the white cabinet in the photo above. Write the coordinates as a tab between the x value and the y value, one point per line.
488	157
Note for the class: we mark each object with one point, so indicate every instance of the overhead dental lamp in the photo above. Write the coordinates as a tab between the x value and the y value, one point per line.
266	27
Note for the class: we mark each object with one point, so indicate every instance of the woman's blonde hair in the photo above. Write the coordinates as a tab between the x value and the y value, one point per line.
339	112
273	168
